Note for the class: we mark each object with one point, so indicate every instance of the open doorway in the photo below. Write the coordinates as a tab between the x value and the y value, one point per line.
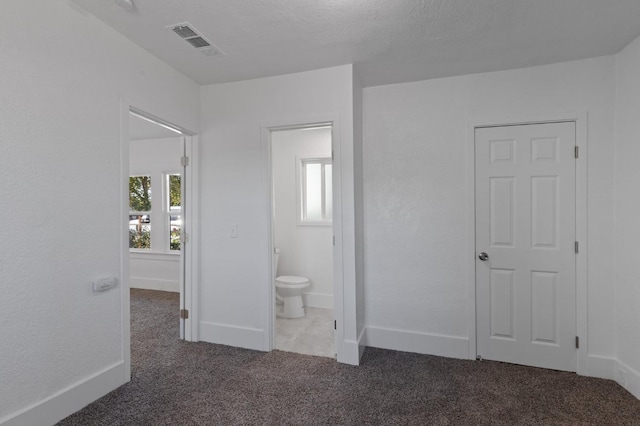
302	235
156	261
161	223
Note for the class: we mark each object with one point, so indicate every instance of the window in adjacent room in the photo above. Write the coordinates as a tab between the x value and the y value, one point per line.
174	210
140	212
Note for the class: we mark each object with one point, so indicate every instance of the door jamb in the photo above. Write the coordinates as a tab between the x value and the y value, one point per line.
581	122
191	227
338	280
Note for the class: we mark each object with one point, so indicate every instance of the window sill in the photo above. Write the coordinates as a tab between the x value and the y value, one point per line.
325	224
150	255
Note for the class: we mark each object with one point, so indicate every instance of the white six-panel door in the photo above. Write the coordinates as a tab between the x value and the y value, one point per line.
525	224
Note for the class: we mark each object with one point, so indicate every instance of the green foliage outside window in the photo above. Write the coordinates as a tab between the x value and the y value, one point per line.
175	203
140	240
140	193
140	201
175	194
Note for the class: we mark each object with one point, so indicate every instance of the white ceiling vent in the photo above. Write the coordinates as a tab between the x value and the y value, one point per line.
188	33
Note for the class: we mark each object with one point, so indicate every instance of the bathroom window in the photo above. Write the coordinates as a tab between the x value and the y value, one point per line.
140	212
316	202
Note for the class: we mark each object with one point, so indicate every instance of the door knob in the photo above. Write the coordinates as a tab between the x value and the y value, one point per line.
483	256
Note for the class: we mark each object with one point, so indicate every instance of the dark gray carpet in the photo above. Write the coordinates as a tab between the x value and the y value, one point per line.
179	383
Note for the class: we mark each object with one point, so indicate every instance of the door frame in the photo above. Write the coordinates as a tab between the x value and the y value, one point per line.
191	255
581	122
338	280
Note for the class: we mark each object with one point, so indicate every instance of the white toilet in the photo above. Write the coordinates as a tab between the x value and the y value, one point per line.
289	289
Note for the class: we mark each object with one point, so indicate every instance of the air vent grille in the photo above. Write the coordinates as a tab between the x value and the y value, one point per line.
184	31
198	42
188	33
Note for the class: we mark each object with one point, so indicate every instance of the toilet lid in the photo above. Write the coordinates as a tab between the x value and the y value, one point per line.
290	279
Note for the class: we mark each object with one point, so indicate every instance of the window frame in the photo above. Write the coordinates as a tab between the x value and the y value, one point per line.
148	213
160	213
167	213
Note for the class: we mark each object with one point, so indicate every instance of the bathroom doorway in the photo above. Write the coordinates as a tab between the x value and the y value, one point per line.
302	239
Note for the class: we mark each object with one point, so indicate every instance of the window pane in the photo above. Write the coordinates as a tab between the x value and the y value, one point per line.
175	195
328	192
175	227
140	232
140	193
313	192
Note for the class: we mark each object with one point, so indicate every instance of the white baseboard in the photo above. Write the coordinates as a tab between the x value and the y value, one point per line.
362	343
318	300
600	366
423	343
154	284
628	378
352	350
231	335
69	400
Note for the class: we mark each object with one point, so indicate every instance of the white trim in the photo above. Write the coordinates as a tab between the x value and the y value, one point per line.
362	344
125	310
600	366
231	335
352	350
630	379
70	399
318	300
173	256
581	122
158	284
191	226
338	272
418	342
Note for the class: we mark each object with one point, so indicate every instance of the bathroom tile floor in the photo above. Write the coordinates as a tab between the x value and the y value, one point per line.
309	335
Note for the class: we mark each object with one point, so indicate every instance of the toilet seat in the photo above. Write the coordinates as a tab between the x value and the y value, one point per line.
292	281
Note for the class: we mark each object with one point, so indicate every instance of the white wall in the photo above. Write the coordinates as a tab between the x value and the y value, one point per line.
306	250
157	269
154	271
234	191
416	184
627	223
63	74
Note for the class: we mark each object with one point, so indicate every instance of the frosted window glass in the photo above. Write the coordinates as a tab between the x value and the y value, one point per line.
328	194
314	192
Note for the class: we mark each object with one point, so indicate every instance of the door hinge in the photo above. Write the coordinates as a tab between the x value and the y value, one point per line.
334	240
185	238
184	314
332	155
577	342
184	161
335	324
576	151
576	248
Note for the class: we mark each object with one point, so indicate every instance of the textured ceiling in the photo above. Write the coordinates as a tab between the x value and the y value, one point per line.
389	41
